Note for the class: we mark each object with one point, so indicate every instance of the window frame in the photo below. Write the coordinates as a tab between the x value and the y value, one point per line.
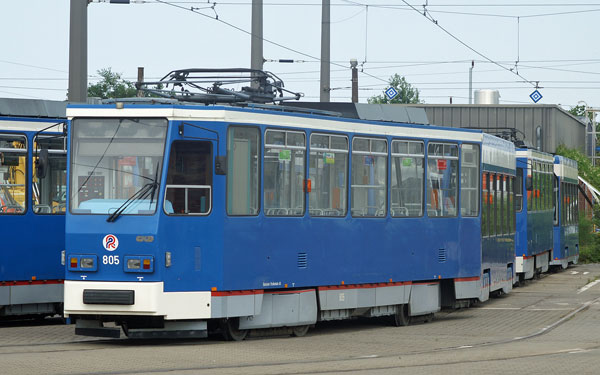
351	177
347	169
259	150
179	186
286	131
423	157
62	152
24	151
457	189
477	180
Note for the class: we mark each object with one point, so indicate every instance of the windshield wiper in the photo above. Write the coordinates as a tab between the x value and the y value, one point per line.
140	194
155	185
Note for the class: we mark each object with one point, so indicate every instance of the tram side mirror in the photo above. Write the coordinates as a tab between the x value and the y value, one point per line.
528	183
41	164
221	165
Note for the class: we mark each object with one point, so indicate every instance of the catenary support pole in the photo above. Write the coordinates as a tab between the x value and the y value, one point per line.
78	52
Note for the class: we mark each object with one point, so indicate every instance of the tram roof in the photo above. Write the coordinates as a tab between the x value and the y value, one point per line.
271	116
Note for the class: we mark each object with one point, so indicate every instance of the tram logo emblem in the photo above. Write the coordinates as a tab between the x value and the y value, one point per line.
110	242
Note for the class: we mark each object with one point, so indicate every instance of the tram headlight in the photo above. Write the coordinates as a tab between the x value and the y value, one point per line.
87	263
134	264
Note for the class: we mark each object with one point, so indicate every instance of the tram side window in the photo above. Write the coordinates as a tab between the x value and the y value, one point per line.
575	204
369	177
469	188
485	214
563	204
519	190
328	166
13	174
511	205
189	178
505	204
49	193
442	181
555	199
536	187
546	190
243	171
408	175
284	173
500	215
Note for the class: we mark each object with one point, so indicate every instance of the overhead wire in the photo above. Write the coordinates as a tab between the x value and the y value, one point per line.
264	39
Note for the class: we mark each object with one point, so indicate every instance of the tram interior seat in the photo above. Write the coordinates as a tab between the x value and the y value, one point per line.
399	211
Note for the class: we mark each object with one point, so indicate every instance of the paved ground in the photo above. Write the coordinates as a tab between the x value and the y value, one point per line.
549	326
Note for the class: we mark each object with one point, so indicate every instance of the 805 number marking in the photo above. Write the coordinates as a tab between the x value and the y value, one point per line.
110	259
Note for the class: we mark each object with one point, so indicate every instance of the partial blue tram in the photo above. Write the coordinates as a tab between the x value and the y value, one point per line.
32	216
566	213
183	219
534	232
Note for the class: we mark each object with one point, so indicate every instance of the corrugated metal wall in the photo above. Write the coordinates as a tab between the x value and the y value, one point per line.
557	126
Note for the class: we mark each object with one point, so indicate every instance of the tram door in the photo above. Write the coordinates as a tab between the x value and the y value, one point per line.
189	230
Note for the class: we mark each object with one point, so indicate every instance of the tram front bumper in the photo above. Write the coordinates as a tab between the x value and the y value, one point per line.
141	299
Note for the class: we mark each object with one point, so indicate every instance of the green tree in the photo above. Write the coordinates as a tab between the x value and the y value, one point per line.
579	111
406	93
111	86
586	170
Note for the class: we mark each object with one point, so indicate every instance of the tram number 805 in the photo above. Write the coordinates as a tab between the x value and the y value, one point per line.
110	259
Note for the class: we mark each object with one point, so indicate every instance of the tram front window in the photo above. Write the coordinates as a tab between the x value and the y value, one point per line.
115	161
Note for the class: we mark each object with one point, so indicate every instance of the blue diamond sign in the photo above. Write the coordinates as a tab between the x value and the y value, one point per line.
536	96
391	93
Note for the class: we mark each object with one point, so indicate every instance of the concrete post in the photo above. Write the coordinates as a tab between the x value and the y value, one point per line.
78	52
325	51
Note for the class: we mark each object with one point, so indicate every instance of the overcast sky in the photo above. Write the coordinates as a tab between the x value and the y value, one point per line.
556	45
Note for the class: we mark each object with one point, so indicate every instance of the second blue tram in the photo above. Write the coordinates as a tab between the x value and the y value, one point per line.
180	216
32	219
534	230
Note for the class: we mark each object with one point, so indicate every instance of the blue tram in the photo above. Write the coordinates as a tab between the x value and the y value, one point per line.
32	201
534	232
181	216
498	225
566	216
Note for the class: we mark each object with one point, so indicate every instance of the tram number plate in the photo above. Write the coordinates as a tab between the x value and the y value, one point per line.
111	259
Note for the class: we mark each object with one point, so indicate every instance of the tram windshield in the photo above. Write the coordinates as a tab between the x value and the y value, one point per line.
116	165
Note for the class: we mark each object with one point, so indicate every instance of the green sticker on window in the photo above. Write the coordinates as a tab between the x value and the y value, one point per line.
329	157
285	155
406	162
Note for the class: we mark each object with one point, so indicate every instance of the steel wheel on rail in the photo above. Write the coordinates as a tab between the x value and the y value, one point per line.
231	330
401	317
299	331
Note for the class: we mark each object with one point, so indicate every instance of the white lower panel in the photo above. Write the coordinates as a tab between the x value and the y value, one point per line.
150	299
525	266
541	261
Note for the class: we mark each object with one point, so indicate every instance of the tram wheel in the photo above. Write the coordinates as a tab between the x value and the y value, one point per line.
401	317
231	330
299	331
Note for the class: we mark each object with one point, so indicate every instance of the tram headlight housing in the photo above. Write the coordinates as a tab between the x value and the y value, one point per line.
82	263
139	263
